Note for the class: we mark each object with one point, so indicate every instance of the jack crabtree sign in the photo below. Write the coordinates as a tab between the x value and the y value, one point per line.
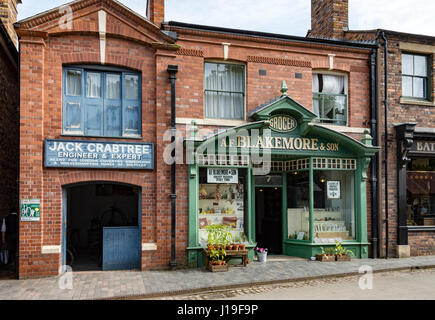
30	210
98	154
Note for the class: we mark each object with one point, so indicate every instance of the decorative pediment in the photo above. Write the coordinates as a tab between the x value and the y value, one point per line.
83	17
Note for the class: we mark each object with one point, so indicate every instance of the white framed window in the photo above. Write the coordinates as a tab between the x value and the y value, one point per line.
330	99
224	91
415	76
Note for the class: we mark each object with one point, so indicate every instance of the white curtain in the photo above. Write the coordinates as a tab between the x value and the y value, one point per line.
113	86
329	84
74	83
93	85
316	102
131	87
225	100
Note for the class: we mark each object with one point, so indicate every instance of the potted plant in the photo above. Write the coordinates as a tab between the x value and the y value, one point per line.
261	253
217	261
327	255
342	254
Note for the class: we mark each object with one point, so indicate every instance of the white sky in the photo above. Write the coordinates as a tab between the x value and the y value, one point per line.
292	17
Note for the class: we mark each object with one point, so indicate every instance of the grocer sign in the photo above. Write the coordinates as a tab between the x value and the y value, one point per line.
98	154
218	175
282	123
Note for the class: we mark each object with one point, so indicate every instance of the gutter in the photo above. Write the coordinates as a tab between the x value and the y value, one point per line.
374	162
386	221
172	70
266	35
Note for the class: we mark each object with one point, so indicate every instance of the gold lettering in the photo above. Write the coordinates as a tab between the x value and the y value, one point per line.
306	144
278	141
298	143
314	145
241	142
419	146
224	143
288	143
268	143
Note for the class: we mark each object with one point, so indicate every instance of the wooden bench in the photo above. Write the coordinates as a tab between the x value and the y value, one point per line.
231	254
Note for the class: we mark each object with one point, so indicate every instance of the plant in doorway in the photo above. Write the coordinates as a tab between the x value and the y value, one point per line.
342	254
217	260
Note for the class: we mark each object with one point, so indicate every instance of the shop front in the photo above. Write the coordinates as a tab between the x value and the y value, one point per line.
282	182
416	189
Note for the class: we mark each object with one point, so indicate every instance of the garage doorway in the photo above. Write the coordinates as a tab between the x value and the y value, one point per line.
101	229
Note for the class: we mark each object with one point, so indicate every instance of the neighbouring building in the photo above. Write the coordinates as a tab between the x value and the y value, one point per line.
405	124
9	103
102	90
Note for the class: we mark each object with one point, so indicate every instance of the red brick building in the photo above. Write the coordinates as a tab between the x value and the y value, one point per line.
9	104
405	129
95	78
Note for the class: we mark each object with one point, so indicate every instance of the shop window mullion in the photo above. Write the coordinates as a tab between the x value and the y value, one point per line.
311	190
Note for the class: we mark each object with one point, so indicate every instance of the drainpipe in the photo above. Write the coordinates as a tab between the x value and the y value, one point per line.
374	163
386	140
172	70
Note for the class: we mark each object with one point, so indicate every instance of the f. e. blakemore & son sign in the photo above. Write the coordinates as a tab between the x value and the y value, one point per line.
98	154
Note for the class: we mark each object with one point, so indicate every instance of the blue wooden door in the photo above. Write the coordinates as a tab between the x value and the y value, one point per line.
121	248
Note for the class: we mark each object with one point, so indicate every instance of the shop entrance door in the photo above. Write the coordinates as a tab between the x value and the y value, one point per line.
268	218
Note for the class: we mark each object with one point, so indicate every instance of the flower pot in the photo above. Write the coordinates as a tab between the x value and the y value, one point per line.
262	256
344	257
242	247
230	247
235	247
217	268
325	258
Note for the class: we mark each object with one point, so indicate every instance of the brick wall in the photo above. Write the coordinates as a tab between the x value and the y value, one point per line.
8	128
46	51
8	15
422	243
328	18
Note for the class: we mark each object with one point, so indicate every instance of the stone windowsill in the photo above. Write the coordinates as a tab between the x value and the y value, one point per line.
417	102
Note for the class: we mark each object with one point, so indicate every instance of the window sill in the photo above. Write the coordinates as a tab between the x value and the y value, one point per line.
342	129
100	137
417	102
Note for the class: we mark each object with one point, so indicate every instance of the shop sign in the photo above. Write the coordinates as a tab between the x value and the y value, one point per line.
31	210
280	143
282	123
98	154
423	146
333	190
217	175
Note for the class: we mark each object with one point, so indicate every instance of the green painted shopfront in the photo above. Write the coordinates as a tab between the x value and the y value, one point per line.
282	182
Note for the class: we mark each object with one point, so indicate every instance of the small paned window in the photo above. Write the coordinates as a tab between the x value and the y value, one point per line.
415	76
224	91
101	104
330	98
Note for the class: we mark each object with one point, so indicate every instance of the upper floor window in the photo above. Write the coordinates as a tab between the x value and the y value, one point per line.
102	103
224	91
415	76
330	98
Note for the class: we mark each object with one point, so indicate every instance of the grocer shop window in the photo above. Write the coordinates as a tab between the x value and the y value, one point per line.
224	91
330	98
101	103
222	201
420	184
415	76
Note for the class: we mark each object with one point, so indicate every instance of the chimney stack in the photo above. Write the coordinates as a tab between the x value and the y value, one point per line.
156	11
329	18
8	16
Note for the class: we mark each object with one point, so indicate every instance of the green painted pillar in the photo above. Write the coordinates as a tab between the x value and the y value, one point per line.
311	177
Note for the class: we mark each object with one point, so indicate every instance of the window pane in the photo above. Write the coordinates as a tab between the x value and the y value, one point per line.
419	88
132	118
407	86
210	76
131	87
420	184
334	215
113	86
93	119
74	83
298	206
73	116
420	66
407	64
93	85
112	120
333	84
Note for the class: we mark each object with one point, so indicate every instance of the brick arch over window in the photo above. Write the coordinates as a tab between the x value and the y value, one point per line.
98	176
94	58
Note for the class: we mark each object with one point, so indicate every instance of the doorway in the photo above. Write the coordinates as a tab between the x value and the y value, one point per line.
268	218
101	227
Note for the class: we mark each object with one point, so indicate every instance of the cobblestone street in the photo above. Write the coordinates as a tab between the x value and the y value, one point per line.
418	284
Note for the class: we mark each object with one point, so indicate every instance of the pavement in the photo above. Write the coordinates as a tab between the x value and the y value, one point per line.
137	284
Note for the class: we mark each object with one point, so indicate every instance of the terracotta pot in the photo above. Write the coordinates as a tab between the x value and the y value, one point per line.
230	247
242	247
235	247
210	247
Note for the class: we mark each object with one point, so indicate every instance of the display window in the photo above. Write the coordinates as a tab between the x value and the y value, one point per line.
222	201
420	182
